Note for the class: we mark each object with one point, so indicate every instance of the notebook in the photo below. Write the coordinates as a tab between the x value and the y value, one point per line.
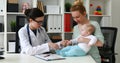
49	57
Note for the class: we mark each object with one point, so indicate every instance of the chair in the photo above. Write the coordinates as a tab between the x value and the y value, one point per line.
107	51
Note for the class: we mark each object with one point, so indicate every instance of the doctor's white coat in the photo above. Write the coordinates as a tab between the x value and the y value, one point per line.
39	41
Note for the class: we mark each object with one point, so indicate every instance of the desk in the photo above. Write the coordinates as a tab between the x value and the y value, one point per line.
22	58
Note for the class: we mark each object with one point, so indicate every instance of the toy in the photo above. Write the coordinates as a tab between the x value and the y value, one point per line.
98	11
25	6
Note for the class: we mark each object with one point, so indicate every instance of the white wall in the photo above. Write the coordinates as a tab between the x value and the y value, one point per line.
116	23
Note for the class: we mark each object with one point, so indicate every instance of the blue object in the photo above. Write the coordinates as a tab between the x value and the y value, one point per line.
71	51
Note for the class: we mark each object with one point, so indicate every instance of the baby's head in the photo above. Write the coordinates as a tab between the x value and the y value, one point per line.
87	29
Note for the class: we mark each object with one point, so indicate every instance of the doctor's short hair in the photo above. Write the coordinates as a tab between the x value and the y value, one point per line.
33	13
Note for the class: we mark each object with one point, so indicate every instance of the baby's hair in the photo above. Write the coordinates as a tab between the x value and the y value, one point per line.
90	28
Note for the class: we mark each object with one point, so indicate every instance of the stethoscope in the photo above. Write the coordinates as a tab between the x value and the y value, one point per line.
29	33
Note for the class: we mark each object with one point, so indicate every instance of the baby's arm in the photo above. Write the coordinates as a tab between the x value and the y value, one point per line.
92	41
75	41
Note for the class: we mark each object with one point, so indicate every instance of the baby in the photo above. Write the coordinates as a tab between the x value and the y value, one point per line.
81	48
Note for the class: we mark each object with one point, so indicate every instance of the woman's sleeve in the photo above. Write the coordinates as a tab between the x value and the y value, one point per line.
98	32
26	46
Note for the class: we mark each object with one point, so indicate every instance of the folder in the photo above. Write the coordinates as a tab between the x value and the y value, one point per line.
50	23
49	57
57	23
54	23
52	9
67	22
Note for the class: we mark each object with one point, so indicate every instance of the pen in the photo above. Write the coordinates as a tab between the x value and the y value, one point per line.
46	55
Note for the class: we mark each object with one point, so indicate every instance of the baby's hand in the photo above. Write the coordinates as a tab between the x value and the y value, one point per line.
64	43
69	43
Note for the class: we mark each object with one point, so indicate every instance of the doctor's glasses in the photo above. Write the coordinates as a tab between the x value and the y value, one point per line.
39	22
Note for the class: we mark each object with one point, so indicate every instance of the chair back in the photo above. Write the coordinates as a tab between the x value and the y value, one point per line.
107	51
110	34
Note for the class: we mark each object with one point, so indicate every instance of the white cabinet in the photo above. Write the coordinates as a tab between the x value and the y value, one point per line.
2	23
55	17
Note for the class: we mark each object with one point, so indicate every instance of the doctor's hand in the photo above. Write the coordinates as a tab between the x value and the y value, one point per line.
53	46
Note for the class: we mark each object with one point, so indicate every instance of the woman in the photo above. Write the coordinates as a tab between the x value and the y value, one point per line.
33	37
78	12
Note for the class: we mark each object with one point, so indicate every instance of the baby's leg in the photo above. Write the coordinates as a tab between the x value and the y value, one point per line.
66	48
61	52
75	51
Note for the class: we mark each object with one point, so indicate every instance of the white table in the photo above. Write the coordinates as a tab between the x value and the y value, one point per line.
22	58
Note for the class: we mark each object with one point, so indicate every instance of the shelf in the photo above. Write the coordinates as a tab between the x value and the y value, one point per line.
68	32
2	14
52	14
20	13
54	32
67	12
1	33
99	15
11	32
15	13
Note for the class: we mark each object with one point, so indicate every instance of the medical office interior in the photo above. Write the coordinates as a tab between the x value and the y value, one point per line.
57	22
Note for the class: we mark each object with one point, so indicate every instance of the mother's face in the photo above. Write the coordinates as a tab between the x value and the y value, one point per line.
77	16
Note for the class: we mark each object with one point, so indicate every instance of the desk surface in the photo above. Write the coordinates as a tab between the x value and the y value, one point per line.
21	58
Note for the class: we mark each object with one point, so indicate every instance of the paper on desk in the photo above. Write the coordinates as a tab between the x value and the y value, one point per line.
49	57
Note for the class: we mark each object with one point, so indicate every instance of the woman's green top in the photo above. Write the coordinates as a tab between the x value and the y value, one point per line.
94	50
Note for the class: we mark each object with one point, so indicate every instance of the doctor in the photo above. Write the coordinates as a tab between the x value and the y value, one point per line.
33	37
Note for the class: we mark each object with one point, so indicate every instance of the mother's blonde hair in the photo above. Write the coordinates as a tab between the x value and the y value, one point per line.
78	2
78	6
